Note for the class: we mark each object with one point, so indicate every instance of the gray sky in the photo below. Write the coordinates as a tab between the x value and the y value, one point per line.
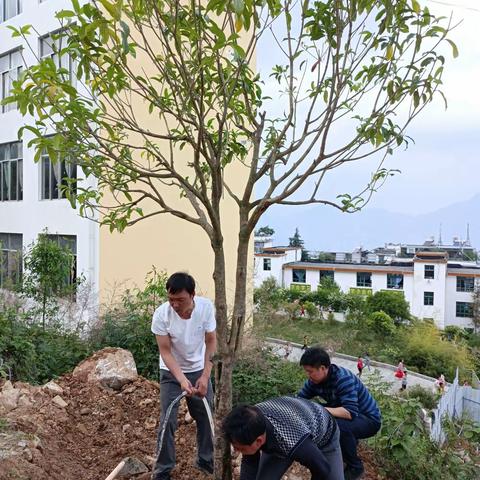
442	167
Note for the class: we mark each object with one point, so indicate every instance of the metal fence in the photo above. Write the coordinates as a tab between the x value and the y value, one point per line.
457	401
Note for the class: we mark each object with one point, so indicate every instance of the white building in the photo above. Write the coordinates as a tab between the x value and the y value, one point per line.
269	260
435	288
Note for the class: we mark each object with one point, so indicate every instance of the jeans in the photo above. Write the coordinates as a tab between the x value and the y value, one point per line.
350	432
169	390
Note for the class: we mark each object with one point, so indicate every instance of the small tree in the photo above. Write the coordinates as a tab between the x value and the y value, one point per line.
296	240
47	276
476	308
392	303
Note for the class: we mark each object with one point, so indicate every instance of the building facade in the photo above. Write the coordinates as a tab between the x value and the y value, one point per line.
435	288
31	198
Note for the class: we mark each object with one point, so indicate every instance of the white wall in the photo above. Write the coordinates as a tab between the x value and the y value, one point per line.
32	215
452	297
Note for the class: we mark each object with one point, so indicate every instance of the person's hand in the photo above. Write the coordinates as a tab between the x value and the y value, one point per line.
201	386
186	386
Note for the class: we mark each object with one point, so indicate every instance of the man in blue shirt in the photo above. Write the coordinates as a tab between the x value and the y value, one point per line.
347	399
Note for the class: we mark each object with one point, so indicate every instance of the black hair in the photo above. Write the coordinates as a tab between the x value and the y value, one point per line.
244	424
315	357
180	281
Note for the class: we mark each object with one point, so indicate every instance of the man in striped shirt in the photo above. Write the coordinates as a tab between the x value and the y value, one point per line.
347	399
277	432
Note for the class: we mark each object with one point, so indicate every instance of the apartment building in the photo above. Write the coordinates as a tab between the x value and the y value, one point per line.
31	198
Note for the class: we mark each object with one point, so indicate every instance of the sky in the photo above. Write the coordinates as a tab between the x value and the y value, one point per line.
442	166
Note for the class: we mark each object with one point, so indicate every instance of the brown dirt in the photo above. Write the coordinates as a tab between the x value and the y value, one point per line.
86	439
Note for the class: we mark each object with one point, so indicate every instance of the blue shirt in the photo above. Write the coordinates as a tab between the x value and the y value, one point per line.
344	389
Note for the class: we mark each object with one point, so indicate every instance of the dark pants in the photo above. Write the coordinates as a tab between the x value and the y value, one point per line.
169	390
350	432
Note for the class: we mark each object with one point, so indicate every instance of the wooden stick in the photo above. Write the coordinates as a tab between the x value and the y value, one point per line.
116	471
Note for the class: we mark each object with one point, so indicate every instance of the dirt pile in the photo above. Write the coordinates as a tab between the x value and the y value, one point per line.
76	428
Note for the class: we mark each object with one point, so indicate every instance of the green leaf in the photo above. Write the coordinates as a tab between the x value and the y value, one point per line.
454	48
416	6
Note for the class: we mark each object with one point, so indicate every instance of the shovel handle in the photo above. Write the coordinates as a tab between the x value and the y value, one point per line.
116	470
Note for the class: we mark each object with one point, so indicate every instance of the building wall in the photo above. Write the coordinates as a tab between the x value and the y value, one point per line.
436	285
32	215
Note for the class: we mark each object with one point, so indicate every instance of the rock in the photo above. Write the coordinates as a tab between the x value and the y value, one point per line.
28	455
188	418
24	401
133	466
58	400
9	397
146	402
53	387
126	428
111	367
150	423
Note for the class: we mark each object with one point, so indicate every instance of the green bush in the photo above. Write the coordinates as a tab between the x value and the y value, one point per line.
381	323
426	397
392	303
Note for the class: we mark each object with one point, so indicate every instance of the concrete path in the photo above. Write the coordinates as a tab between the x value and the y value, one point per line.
347	361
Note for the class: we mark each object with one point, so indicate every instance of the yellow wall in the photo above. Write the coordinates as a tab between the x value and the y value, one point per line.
164	241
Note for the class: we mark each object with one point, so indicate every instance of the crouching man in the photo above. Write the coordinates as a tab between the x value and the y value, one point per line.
273	434
347	399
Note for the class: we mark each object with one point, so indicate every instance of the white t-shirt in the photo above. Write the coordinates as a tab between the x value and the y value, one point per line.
187	336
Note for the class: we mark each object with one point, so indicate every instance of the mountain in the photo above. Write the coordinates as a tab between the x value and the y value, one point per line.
325	228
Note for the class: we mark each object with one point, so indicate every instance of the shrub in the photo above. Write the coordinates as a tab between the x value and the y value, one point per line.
426	397
381	323
392	303
311	309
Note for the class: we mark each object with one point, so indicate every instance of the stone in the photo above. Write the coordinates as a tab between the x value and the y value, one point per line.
146	402
9	397
188	418
150	423
53	387
58	400
111	367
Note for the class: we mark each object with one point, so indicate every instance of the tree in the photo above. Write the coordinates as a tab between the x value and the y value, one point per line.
265	231
47	276
391	303
296	240
476	308
363	68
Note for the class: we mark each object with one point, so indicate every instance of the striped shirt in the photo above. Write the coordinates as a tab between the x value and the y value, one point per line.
344	389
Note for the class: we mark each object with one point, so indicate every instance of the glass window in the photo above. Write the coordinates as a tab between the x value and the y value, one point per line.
465	284
68	242
299	275
10	68
11	171
10	9
428	298
464	309
267	264
395	280
364	279
10	259
55	178
51	47
429	271
327	274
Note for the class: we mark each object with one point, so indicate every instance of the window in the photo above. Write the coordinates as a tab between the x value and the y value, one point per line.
10	259
11	171
465	284
429	271
327	274
10	68
51	47
69	242
54	178
395	280
364	279
428	298
267	264
299	275
464	309
9	9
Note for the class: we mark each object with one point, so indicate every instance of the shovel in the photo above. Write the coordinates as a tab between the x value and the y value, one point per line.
127	467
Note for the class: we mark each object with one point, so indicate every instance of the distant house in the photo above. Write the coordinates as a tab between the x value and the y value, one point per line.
435	287
269	260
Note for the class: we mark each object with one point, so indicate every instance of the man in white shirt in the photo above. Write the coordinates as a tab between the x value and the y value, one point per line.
185	331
